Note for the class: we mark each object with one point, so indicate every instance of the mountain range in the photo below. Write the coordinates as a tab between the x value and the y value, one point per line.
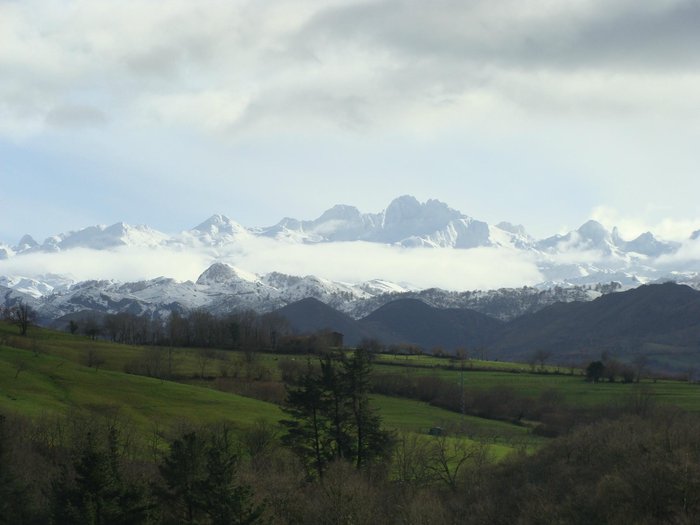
659	323
579	266
590	254
405	222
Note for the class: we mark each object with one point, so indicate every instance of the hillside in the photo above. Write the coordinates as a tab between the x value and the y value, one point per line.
413	321
311	315
651	319
659	321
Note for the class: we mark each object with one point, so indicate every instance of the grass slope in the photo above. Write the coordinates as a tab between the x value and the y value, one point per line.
53	385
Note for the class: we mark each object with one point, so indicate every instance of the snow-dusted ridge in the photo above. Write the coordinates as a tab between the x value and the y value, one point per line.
588	255
405	222
220	288
223	288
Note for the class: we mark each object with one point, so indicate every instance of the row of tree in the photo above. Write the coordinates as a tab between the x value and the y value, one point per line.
198	328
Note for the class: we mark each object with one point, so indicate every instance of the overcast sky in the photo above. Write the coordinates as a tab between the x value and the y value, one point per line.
544	112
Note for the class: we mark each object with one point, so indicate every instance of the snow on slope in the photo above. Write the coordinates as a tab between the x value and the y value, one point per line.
220	288
587	255
97	238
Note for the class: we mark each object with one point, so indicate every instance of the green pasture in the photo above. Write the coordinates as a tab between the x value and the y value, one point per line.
573	389
428	361
40	385
51	378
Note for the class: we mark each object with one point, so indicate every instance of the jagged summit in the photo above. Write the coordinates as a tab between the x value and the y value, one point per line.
516	229
594	232
586	255
341	212
26	243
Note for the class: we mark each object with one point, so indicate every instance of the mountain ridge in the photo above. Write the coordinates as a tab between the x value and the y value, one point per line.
589	255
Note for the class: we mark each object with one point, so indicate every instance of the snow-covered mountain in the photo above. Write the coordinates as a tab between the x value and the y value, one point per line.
588	255
95	238
223	288
405	222
593	236
217	230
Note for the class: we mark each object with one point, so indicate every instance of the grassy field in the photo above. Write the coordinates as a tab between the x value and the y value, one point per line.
37	385
44	385
573	389
46	373
428	361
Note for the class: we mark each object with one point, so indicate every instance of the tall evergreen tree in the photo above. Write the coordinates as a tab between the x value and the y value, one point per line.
370	440
95	492
332	414
308	433
184	471
200	474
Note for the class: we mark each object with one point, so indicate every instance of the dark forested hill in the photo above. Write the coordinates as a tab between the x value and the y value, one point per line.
660	321
413	321
626	324
311	315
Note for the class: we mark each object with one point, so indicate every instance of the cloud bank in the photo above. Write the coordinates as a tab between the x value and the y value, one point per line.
352	262
232	67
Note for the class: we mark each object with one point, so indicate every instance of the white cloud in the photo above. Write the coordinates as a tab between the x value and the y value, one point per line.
481	268
124	264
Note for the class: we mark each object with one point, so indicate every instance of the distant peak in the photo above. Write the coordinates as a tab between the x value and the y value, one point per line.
593	230
592	225
220	273
219	223
405	202
646	236
217	219
340	212
516	229
118	227
27	241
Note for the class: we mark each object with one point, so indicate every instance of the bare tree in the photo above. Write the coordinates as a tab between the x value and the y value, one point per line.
449	455
22	315
91	328
541	357
203	356
94	358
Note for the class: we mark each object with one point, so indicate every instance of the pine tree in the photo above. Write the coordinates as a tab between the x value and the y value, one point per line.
184	471
95	493
200	474
332	414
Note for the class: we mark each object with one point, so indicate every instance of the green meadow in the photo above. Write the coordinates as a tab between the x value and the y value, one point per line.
47	373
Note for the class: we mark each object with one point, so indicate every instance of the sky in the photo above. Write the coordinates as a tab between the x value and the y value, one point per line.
543	113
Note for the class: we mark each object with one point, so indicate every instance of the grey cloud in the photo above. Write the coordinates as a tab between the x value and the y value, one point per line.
75	116
622	34
350	112
169	59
